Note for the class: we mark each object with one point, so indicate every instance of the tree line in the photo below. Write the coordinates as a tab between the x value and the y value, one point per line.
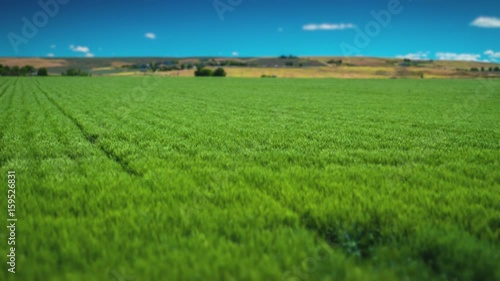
206	72
490	69
26	70
75	72
29	70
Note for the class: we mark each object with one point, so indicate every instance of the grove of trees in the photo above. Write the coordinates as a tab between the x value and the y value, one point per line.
75	72
42	72
205	72
337	62
490	69
288	57
26	70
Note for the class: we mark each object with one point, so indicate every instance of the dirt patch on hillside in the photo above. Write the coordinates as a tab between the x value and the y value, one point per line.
36	62
118	64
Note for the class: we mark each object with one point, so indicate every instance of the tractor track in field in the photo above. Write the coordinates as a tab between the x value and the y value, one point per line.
7	85
323	233
93	139
11	97
4	90
8	118
37	100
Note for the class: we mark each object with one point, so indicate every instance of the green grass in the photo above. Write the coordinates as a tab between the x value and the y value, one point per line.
252	179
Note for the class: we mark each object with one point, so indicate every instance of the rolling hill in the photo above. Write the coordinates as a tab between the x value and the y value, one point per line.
292	67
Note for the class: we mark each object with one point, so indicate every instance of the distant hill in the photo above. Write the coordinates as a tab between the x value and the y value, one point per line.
334	67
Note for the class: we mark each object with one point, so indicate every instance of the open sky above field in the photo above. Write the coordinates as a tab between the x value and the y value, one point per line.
419	29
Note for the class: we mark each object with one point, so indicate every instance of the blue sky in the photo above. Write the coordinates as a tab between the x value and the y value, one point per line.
433	29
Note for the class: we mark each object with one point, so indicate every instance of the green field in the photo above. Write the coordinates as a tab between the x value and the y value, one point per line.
148	178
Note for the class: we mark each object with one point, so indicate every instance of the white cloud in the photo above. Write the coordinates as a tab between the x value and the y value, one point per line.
53	46
460	57
415	56
235	54
50	55
492	54
486	22
80	49
328	26
150	35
